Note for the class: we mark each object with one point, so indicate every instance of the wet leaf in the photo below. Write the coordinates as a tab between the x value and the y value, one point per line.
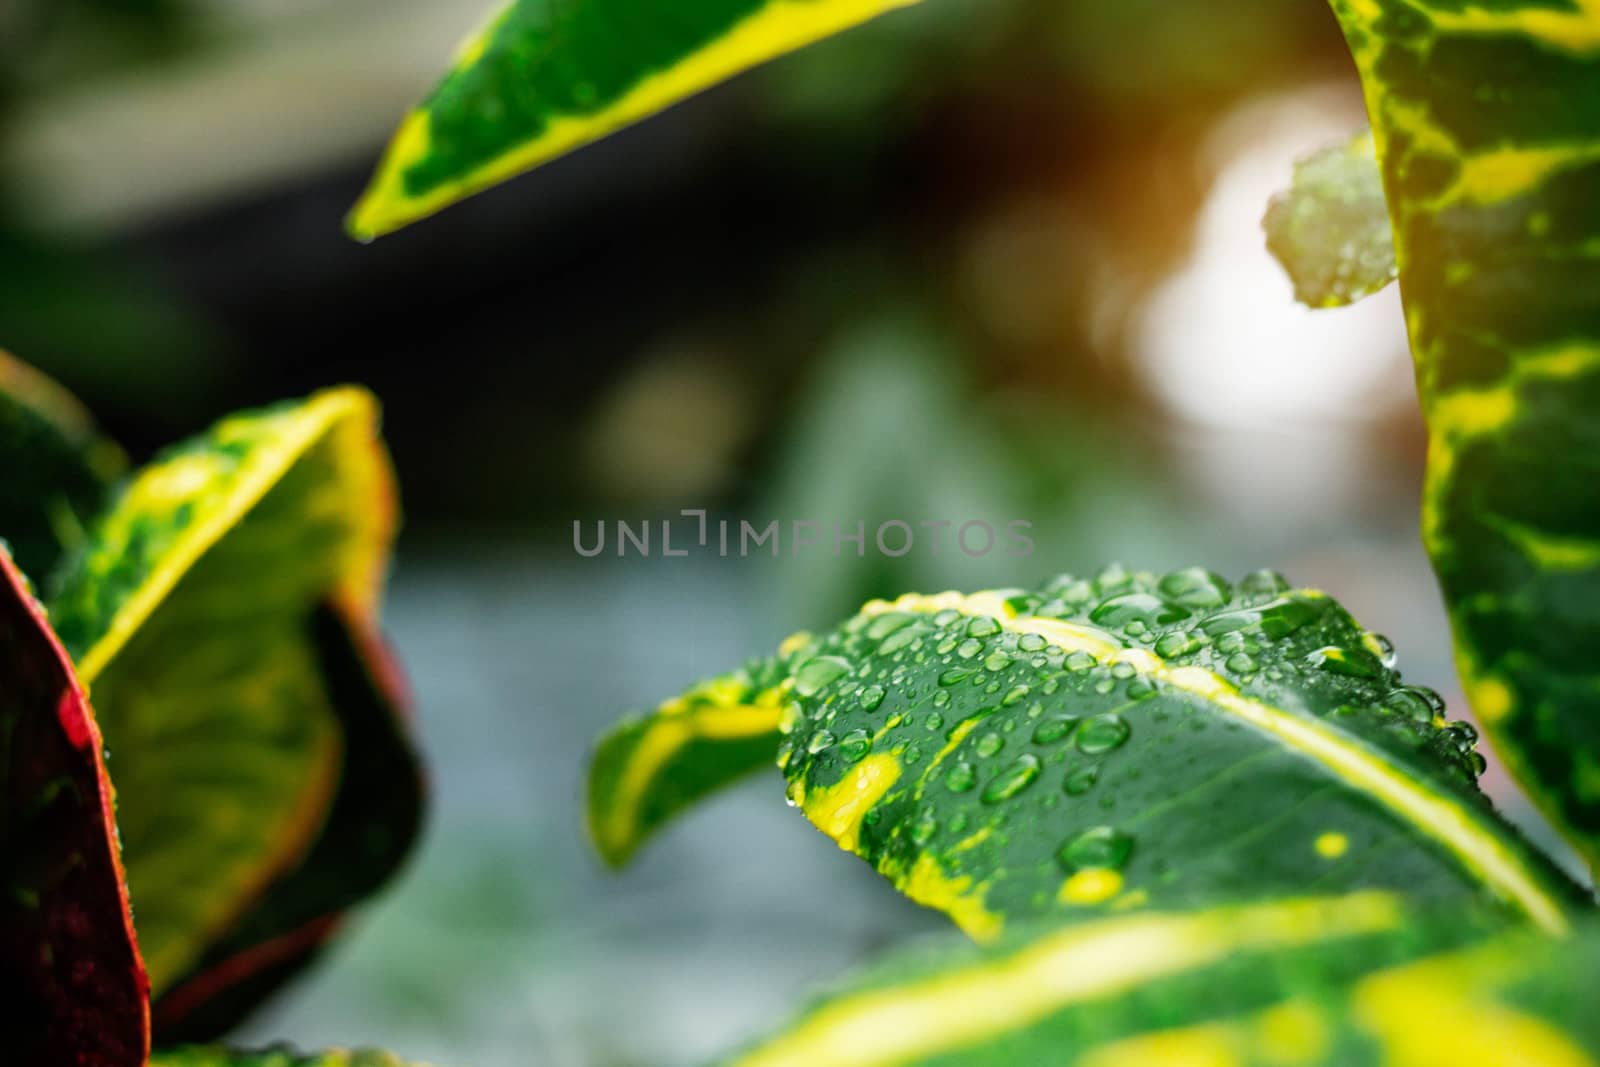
1330	230
1132	740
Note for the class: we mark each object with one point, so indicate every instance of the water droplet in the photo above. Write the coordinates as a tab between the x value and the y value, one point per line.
1263	583
1079	661
925	826
884	625
954	675
1410	703
1052	730
1014	779
1145	608
1023	603
1383	648
871	697
820	740
855	746
1195	587
982	626
1112	579
1242	663
1102	733
997	661
1097	847
1122	671
990	744
1281	618
1351	662
1141	689
1016	695
1032	643
969	648
899	639
814	674
1174	644
934	721
1081	779
960	778
941	698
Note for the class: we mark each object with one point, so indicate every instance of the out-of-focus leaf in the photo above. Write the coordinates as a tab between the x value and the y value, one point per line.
1330	230
221	1057
58	467
375	818
1132	740
190	613
649	768
548	76
70	975
1487	120
1313	982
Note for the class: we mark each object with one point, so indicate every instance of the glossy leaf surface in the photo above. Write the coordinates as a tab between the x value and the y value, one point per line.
1487	119
1329	982
58	467
649	768
547	76
191	614
70	973
1132	740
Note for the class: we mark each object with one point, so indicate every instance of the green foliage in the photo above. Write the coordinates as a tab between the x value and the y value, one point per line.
1487	125
548	76
1109	743
223	602
1004	784
1331	229
1318	982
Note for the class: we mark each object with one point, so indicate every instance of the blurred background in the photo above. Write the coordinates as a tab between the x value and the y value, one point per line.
983	259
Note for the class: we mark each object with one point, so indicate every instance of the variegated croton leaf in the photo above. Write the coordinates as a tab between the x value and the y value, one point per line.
547	76
70	973
1312	981
1487	125
223	604
1096	745
218	611
1100	744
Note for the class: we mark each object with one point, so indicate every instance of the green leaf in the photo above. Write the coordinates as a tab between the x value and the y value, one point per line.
548	76
1331	229
647	769
1487	119
1132	740
58	467
1319	981
221	1057
190	613
70	975
366	836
